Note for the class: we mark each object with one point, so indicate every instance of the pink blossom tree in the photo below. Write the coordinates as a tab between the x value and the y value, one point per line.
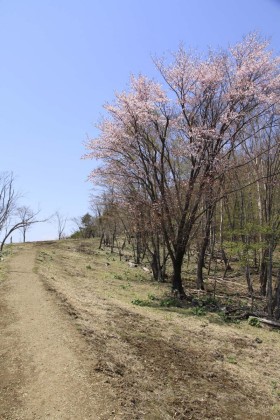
178	142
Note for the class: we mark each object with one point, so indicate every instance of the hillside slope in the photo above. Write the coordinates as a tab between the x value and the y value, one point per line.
74	346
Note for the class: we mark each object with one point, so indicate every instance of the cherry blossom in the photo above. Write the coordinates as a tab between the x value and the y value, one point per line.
162	145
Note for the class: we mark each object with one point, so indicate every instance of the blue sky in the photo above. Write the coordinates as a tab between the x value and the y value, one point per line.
61	60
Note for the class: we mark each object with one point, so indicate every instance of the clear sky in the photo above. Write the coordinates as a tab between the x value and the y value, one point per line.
61	60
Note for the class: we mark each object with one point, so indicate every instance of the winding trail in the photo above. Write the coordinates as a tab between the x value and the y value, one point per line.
44	366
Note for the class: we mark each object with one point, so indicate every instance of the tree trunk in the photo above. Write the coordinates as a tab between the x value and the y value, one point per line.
156	267
199	272
137	248
113	239
276	300
269	280
201	256
223	253
248	279
263	273
164	259
101	240
226	262
158	261
177	286
212	246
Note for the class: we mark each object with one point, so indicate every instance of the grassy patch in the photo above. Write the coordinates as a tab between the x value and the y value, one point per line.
254	322
140	302
142	334
232	360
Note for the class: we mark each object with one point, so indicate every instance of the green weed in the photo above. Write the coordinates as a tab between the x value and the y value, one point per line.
232	359
254	322
198	311
125	286
171	301
140	302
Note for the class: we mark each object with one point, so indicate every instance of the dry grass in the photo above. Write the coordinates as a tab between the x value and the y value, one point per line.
161	362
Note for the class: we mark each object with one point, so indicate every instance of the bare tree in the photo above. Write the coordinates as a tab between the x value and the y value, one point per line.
12	217
25	214
8	198
60	221
13	224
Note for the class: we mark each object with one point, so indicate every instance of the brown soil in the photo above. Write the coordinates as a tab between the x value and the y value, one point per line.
44	363
74	347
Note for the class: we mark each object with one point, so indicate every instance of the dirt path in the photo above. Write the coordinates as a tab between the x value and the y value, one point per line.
43	362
